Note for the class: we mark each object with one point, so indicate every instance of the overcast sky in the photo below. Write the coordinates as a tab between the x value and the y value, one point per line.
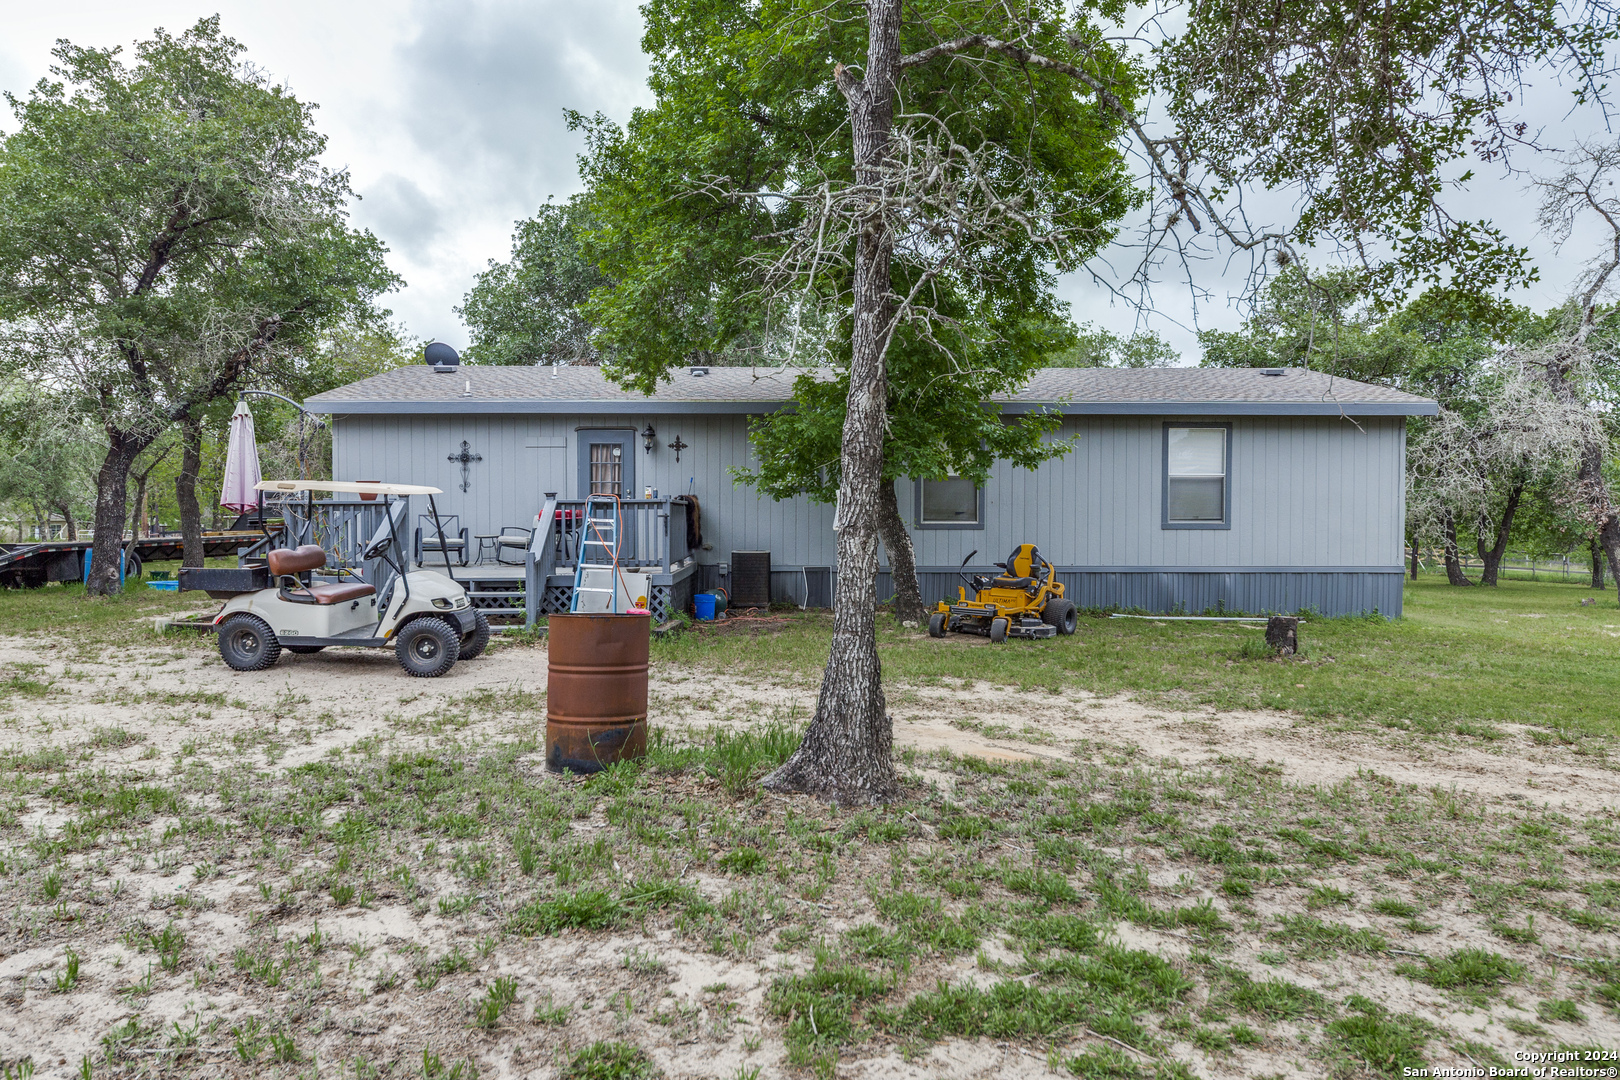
449	116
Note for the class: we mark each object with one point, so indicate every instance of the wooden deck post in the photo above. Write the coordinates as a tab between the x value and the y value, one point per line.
538	562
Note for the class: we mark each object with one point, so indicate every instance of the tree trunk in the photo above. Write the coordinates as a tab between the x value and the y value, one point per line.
138	514
1597	563
1492	557
1414	558
67	516
1609	537
112	503
847	753
1454	572
908	601
185	492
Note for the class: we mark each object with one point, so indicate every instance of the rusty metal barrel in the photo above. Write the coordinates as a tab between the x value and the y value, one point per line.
596	690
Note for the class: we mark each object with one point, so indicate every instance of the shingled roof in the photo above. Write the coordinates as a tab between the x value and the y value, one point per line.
1128	391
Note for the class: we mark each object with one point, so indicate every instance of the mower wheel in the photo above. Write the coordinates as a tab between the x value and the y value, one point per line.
998	630
472	646
937	623
427	647
1059	613
303	650
246	643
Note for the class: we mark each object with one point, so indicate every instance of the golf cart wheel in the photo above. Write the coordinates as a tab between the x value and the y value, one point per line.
427	647
998	630
304	650
936	624
472	646
1059	613
246	643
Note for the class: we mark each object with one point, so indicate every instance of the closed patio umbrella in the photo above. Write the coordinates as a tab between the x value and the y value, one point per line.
241	463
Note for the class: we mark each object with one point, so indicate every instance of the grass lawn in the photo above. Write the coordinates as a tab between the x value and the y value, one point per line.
1523	652
212	874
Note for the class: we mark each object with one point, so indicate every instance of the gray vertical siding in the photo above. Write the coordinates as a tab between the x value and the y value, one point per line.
1305	492
522	461
1318	504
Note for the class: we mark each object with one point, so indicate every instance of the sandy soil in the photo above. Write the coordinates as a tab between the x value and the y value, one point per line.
144	708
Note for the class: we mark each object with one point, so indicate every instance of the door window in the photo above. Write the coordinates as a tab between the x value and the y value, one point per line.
607	469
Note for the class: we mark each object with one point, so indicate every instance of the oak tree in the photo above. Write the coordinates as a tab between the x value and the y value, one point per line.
867	167
166	229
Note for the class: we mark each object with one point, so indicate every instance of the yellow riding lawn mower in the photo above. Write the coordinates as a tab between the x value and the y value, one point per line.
1025	600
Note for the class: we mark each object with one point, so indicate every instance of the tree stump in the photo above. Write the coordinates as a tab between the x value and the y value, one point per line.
1282	634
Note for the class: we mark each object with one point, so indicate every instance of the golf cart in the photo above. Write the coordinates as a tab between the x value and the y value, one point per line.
274	603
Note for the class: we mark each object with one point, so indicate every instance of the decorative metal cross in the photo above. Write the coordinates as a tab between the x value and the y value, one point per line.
466	457
677	446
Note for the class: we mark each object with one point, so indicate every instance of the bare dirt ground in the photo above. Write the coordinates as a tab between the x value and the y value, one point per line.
172	709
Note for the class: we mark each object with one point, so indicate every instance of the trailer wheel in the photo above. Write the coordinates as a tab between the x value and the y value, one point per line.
304	650
936	624
998	630
1059	613
427	647
246	643
472	646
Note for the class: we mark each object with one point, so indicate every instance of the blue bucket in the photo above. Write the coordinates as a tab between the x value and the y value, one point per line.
703	605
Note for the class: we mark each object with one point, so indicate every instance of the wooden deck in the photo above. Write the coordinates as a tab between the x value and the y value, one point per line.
498	589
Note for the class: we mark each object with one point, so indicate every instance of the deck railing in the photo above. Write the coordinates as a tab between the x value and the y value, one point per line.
651	533
651	536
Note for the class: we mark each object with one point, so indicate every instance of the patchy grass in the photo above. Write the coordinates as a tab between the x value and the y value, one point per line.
1386	1044
609	1061
66	609
1438	669
1475	972
1115	915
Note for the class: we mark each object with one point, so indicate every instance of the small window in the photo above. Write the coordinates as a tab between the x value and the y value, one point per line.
951	502
1196	493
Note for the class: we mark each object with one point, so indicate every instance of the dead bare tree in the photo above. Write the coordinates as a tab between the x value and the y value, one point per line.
1582	191
1472	463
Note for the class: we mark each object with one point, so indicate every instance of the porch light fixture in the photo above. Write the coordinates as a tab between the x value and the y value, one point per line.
648	437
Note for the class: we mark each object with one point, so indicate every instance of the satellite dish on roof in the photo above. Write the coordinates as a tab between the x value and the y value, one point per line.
440	355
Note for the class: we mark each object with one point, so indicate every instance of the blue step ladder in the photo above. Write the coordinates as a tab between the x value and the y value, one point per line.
600	533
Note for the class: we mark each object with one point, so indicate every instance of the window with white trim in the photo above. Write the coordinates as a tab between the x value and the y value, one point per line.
1196	491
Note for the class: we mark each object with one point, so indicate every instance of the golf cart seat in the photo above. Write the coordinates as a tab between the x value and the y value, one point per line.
290	562
1023	569
337	594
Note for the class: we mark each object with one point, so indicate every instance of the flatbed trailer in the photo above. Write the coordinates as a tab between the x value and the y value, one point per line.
29	566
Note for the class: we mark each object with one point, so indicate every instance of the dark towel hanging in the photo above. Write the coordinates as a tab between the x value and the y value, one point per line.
694	522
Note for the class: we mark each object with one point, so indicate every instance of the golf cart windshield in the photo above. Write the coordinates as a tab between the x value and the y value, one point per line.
385	537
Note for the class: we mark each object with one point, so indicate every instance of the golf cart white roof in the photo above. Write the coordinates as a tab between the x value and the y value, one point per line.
346	487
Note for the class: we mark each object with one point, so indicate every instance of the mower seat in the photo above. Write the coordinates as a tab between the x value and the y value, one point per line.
289	561
1022	567
1005	582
